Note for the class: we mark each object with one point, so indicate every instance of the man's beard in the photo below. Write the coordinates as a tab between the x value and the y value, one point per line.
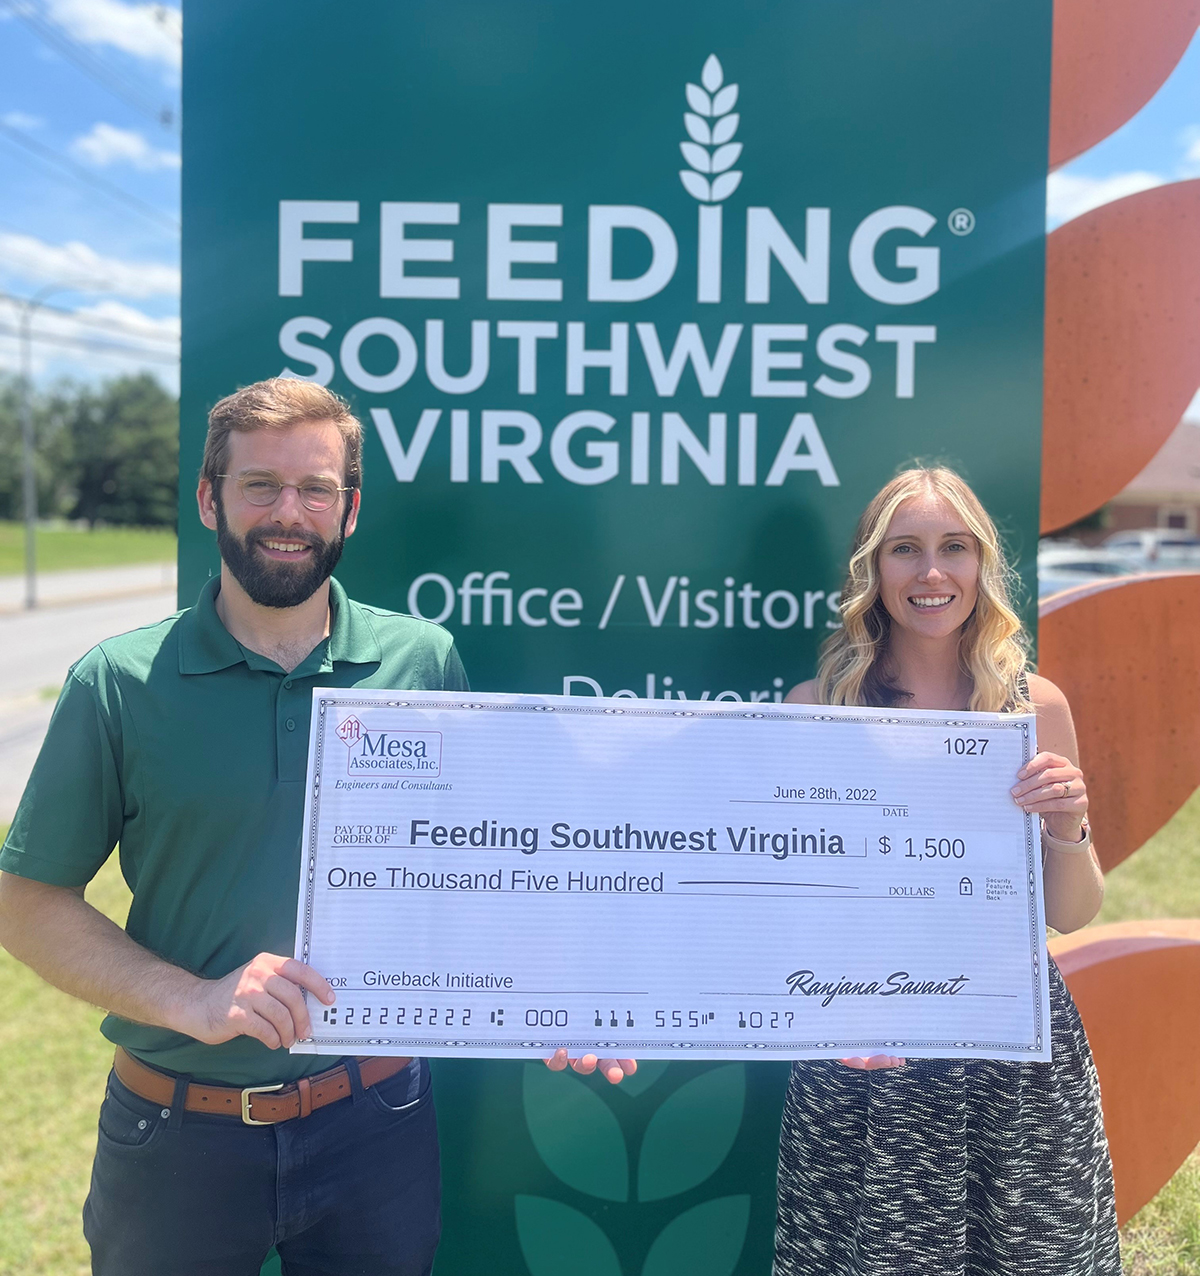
272	582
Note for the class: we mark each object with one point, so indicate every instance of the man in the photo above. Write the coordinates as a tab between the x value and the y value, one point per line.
186	743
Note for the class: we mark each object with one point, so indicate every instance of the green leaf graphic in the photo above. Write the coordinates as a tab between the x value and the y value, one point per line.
704	1241
691	1134
641	1081
576	1133
555	1238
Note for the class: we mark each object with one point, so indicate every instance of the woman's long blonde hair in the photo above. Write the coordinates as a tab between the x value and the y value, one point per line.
992	648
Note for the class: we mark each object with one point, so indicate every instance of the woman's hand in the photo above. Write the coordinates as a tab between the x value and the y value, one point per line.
612	1070
1053	787
872	1063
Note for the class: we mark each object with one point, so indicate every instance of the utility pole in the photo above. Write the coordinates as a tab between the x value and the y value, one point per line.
28	307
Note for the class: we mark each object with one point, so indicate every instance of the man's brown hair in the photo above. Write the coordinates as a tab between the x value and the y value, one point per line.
277	404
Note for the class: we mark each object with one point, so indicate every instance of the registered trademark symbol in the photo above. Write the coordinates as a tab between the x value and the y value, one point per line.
961	221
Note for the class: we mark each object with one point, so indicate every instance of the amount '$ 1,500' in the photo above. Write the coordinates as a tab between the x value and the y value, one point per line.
935	848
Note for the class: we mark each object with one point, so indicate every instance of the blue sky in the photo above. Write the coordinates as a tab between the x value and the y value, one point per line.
89	182
89	178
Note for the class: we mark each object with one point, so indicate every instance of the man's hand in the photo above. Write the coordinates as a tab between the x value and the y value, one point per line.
261	999
54	931
613	1070
873	1062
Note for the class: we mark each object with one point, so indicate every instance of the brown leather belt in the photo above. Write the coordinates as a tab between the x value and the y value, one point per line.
255	1104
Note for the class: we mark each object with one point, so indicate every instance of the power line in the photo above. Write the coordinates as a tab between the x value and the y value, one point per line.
161	13
154	356
110	347
104	75
97	321
110	325
81	174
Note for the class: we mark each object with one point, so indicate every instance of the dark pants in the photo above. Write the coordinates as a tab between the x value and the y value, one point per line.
353	1188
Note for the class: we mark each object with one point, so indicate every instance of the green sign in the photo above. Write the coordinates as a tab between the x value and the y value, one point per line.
640	304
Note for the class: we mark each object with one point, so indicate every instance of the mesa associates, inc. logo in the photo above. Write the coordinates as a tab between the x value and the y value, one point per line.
409	752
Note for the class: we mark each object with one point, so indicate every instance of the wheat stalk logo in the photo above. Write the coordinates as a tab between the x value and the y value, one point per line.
711	154
711	124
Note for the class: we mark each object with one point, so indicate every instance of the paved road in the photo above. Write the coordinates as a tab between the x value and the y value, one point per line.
40	646
58	589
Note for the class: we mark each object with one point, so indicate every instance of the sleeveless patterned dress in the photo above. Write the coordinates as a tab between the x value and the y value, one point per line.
949	1167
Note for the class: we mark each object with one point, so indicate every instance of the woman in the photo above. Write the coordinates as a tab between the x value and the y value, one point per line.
963	1166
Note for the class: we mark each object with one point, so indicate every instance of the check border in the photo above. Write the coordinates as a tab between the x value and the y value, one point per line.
322	700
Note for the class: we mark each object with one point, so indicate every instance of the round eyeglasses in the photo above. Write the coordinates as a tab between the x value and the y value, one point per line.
263	489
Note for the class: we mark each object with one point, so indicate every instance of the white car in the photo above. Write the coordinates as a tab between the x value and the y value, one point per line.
1156	548
1063	565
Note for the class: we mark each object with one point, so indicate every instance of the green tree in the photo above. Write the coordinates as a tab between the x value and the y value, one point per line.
125	453
53	467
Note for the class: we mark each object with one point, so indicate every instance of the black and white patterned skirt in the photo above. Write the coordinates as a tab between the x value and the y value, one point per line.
949	1167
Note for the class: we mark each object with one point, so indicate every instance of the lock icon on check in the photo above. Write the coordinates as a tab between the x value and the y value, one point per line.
965	887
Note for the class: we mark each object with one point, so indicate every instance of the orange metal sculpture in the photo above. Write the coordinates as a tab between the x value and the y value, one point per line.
1122	361
1127	655
1122	358
1137	986
1109	58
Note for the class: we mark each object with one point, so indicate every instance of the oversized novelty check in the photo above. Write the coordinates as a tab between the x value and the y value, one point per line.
502	875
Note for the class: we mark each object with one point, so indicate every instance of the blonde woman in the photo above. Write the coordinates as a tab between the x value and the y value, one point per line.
952	1167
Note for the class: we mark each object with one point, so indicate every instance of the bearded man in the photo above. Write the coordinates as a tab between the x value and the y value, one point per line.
186	742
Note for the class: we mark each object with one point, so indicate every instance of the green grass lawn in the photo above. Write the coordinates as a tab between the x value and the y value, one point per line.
54	1062
71	549
1163	880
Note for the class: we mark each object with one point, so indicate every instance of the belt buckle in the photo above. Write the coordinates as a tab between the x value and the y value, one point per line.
247	1119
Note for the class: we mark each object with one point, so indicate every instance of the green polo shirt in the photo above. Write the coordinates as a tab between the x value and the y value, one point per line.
190	751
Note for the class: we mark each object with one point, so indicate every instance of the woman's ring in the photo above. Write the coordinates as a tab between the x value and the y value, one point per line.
1066	787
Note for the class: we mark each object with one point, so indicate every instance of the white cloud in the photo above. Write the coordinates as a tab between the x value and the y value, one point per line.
106	145
84	269
1068	195
1192	411
131	322
19	119
1189	166
149	31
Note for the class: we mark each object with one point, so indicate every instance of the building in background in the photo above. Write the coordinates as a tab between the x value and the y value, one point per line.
1166	493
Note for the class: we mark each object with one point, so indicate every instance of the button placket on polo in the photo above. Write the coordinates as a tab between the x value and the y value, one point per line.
291	738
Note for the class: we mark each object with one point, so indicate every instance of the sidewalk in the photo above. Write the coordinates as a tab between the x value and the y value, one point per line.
40	645
58	589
